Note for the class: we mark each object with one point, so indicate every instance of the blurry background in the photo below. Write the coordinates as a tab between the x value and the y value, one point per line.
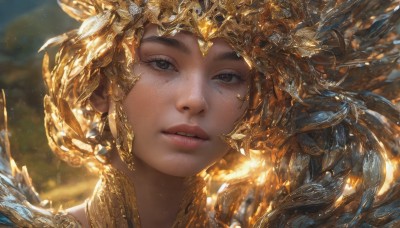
24	26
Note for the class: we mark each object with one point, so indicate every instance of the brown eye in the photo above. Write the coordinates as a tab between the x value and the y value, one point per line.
161	64
229	78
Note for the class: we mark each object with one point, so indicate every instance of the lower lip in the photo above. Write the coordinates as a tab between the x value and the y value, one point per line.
184	142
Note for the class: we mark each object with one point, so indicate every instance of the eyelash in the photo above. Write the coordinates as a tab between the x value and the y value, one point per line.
239	79
153	61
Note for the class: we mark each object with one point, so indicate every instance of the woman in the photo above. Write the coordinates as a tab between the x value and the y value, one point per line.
279	82
178	131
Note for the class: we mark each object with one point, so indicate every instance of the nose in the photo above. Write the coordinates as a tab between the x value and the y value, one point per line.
191	96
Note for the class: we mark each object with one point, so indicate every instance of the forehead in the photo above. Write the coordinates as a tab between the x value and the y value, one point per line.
186	39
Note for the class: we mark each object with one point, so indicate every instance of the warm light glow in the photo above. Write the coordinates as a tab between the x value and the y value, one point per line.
246	169
339	200
209	202
349	189
81	145
269	209
242	151
222	188
256	152
77	111
389	177
262	178
62	147
92	167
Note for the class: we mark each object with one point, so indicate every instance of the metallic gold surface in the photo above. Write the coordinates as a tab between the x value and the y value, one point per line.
115	197
320	136
113	203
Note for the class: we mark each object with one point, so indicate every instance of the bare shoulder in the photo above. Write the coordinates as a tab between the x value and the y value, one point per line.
79	213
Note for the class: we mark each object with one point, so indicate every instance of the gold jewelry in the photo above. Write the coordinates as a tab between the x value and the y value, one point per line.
125	137
114	203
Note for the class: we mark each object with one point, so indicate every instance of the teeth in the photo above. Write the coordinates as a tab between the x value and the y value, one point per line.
185	134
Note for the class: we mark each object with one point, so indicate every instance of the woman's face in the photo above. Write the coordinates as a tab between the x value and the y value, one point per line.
184	102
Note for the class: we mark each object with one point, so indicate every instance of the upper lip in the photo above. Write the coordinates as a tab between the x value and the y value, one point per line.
188	129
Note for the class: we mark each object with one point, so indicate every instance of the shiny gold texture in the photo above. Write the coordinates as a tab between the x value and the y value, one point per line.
114	197
320	138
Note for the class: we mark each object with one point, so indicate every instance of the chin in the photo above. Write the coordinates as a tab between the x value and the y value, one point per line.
182	172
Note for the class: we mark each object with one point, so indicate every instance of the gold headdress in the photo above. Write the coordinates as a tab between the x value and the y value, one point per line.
327	144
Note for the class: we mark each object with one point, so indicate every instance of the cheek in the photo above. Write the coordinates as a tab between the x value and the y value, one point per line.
142	102
228	110
227	113
134	106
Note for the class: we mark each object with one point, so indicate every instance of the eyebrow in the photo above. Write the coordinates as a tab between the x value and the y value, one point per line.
167	41
181	46
229	56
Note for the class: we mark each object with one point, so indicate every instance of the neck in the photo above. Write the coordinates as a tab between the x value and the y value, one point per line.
145	198
158	195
